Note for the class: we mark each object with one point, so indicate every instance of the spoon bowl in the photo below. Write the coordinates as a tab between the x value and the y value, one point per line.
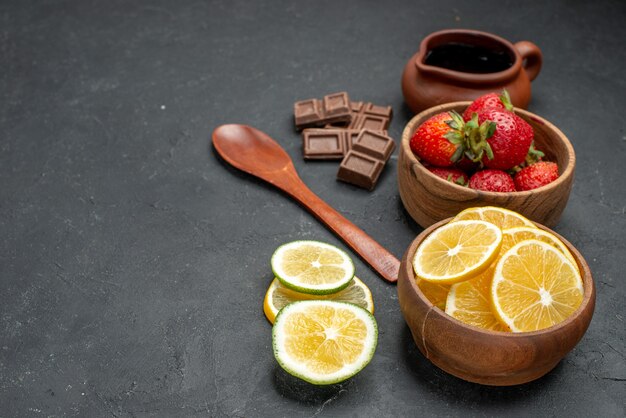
251	150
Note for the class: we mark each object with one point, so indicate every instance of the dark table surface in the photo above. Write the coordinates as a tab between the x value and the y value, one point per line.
134	261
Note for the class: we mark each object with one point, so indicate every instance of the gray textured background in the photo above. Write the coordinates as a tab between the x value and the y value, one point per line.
133	261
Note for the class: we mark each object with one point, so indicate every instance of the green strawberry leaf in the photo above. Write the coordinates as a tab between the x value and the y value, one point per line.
506	100
458	153
472	123
454	137
534	155
487	129
452	124
488	151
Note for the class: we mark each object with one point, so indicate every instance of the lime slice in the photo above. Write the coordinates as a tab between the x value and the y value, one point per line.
322	341
279	296
312	267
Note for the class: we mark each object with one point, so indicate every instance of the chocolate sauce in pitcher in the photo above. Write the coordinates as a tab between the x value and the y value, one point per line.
468	58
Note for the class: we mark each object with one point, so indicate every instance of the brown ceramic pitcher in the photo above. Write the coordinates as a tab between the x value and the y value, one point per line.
425	85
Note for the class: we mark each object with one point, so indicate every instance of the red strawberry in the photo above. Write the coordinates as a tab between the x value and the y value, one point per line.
536	175
509	143
453	175
492	181
488	101
432	140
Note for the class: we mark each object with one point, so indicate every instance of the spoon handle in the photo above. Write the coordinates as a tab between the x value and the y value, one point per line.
381	260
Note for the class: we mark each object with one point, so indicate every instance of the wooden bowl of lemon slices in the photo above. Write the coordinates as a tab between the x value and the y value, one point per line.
493	298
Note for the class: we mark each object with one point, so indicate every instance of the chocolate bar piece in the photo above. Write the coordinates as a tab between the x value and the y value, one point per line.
374	144
333	108
363	164
370	116
325	144
332	144
360	169
365	115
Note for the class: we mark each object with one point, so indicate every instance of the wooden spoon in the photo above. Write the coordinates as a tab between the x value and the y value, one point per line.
254	152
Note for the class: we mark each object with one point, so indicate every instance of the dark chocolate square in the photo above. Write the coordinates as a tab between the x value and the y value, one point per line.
373	123
307	111
367	115
360	169
374	144
332	109
383	111
337	104
323	144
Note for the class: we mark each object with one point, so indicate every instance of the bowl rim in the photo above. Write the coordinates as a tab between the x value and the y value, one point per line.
471	78
588	288
416	164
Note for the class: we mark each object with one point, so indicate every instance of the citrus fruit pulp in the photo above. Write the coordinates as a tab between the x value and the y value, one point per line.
312	267
457	251
279	296
535	286
436	293
513	236
469	302
502	218
322	341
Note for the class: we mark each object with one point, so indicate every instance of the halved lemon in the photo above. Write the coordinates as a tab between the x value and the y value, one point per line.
312	267
323	341
513	236
535	286
469	302
279	296
457	251
436	293
502	218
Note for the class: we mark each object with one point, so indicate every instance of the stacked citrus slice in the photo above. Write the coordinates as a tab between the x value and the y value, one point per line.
324	330
513	236
278	296
323	341
457	251
535	286
312	267
436	293
505	274
469	302
502	218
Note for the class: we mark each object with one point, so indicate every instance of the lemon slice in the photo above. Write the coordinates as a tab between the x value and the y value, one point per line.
436	293
457	251
502	218
323	341
513	236
469	302
279	296
535	286
312	267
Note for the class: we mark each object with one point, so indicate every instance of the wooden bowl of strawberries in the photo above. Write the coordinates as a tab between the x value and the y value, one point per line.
484	153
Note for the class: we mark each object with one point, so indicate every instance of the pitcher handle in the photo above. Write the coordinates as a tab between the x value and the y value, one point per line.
531	58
